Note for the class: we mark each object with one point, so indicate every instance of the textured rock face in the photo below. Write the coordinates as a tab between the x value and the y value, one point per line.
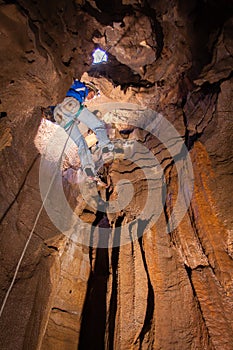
160	291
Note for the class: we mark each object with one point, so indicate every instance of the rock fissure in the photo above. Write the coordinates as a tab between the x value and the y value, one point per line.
156	26
150	301
189	273
66	311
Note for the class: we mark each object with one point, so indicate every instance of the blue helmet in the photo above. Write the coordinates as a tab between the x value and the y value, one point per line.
78	90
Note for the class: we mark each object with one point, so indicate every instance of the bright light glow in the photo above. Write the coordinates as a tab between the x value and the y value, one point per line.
99	56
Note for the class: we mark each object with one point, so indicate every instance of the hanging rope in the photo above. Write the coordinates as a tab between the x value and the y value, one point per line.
34	226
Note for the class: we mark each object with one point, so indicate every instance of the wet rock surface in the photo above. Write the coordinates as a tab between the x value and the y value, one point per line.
162	290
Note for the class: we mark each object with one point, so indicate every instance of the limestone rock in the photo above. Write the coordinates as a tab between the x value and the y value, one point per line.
118	280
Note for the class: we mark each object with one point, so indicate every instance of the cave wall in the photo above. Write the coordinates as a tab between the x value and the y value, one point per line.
29	79
163	291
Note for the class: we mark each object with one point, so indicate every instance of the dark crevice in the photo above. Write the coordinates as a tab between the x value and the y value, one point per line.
194	225
186	136
208	88
53	247
196	98
113	299
93	322
3	115
189	274
141	83
150	297
165	198
202	33
58	309
87	211
108	11
156	27
96	222
118	74
68	63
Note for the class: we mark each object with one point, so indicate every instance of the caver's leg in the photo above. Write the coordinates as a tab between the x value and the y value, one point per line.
84	153
96	125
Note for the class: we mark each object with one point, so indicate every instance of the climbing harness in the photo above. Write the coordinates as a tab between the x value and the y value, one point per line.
37	218
71	122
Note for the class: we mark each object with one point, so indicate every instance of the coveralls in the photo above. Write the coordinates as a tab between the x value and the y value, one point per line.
67	110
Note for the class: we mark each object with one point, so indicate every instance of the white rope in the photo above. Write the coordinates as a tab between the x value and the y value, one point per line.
33	228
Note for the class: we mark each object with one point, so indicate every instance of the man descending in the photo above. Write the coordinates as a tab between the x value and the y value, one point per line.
72	111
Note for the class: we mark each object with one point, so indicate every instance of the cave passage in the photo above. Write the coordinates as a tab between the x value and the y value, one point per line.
143	260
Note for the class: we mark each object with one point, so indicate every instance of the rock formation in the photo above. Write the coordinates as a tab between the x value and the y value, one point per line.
161	290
